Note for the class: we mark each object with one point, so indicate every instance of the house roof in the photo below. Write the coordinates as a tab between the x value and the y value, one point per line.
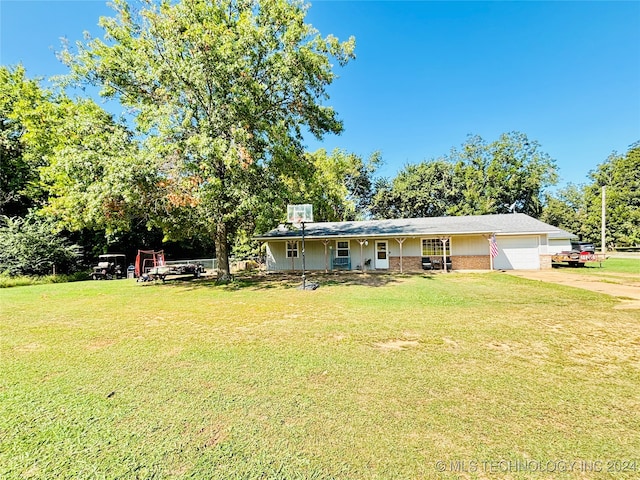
501	224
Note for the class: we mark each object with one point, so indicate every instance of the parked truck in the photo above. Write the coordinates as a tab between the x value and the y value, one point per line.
580	254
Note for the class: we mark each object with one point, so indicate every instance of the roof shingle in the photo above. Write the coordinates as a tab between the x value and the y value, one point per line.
500	224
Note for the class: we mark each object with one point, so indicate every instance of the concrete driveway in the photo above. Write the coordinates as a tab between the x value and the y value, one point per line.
624	286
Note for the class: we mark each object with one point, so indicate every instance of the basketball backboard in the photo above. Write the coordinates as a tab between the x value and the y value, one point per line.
300	213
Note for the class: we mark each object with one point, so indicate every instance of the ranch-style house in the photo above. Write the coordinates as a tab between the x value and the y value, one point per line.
414	244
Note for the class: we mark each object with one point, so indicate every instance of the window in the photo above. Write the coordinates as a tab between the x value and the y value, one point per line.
292	249
342	249
431	246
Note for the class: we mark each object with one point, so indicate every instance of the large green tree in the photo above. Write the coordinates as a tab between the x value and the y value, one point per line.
74	171
509	174
31	245
621	176
339	185
578	208
426	189
567	209
24	108
222	90
68	159
94	174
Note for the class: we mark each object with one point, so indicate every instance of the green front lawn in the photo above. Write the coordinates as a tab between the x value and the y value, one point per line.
630	266
382	380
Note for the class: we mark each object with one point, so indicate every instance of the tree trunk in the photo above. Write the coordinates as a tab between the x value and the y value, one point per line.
222	252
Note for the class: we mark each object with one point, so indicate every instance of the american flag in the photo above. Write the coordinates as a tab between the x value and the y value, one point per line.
493	246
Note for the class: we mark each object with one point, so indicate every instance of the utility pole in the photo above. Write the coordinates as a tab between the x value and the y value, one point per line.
603	237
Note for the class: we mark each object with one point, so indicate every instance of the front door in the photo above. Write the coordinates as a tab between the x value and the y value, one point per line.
382	254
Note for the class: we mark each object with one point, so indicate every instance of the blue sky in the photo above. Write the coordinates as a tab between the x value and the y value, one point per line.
428	74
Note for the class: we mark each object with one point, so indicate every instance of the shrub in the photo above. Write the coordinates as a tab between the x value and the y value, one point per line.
7	281
30	246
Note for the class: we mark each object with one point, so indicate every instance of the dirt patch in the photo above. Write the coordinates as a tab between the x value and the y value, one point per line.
625	287
100	343
29	347
391	345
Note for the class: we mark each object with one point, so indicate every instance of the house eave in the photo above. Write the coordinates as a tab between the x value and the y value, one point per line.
498	224
393	235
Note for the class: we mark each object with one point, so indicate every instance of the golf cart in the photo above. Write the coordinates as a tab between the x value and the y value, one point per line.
110	266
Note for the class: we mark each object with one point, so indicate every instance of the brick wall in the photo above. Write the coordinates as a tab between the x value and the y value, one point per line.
414	264
545	262
409	264
471	262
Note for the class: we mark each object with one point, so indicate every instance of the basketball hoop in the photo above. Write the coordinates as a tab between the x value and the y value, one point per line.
298	215
297	222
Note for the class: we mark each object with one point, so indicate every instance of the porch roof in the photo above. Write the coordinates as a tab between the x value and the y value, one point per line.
501	224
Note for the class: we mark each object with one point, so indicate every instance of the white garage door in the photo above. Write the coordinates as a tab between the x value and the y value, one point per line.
517	253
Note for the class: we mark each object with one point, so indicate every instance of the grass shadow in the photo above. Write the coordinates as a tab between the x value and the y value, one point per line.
268	281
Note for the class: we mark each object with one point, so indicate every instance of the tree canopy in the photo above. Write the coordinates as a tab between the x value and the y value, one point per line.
578	209
509	174
23	107
222	91
339	185
425	189
67	158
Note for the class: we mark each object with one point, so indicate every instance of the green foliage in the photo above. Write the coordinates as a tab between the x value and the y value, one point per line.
23	106
7	281
578	209
566	209
30	246
426	189
95	176
67	157
339	185
509	174
621	176
222	90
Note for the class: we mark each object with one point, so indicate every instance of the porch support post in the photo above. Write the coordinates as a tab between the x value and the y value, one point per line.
444	241
362	242
326	257
400	242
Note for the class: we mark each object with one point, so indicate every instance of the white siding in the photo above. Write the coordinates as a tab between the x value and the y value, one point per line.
314	255
559	245
412	247
469	245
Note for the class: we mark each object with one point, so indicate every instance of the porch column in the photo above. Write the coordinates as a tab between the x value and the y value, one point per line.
326	257
362	242
400	242
444	241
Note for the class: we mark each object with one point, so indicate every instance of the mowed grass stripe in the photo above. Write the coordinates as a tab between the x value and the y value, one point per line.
261	380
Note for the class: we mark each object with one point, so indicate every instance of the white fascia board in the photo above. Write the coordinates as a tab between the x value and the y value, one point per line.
512	234
379	235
